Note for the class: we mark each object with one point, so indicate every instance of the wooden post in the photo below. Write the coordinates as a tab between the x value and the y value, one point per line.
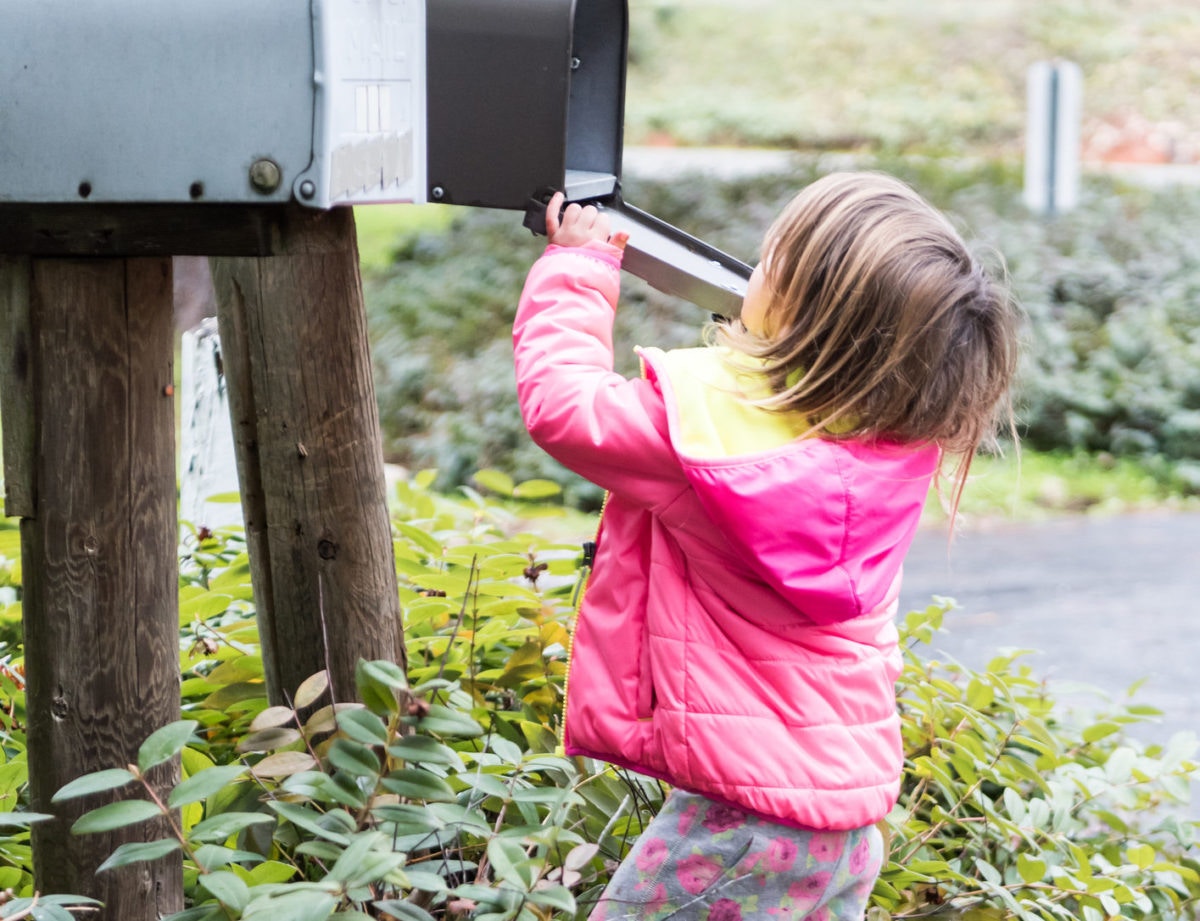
86	382
310	456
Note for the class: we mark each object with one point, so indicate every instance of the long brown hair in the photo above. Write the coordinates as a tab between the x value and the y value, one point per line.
881	323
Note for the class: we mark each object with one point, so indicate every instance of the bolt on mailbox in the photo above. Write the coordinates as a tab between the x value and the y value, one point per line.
491	103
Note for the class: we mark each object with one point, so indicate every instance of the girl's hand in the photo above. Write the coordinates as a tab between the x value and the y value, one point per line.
579	225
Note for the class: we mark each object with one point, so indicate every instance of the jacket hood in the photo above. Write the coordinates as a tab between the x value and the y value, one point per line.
825	523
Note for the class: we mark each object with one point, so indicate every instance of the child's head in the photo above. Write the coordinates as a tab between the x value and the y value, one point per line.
875	320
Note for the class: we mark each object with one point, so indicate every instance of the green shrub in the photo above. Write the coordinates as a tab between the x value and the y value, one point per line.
1113	359
1013	807
442	794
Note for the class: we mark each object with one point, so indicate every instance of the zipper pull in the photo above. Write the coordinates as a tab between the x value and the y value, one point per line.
585	570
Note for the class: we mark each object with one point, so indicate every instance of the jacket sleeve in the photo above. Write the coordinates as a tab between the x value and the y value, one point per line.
605	427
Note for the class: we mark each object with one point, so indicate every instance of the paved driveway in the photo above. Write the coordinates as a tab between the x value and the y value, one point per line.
1104	601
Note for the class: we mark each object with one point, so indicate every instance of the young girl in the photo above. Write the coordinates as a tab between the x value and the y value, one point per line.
736	638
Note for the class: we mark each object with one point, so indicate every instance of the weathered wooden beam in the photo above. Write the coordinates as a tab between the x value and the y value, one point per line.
16	388
89	452
116	230
310	456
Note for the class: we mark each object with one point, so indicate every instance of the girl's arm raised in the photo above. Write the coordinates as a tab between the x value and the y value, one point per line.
607	428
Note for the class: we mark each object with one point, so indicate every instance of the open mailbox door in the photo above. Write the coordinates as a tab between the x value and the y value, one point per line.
492	103
526	97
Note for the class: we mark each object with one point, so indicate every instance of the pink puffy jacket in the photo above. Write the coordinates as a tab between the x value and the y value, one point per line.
736	638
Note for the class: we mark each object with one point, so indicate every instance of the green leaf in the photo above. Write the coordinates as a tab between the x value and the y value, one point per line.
536	489
423	479
1119	766
495	481
194	761
201	786
1141	855
558	897
209	857
309	820
418	784
226	696
354	758
291	906
361	864
425	750
227	888
271	871
444	721
988	872
1101	730
138	851
115	815
96	782
422	539
220	827
402	910
69	900
269	739
199	913
1031	869
22	819
44	907
510	862
980	695
381	685
224	498
321	788
386	673
486	895
165	743
201	604
363	726
425	880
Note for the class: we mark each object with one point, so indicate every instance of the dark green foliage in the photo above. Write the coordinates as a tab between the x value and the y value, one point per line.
442	794
1113	359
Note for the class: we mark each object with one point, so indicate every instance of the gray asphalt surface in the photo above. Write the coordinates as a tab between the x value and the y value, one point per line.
1104	601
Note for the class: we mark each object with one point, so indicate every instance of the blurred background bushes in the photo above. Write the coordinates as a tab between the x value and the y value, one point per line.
1111	290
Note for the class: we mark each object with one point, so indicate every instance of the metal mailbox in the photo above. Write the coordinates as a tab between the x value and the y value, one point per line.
490	103
161	101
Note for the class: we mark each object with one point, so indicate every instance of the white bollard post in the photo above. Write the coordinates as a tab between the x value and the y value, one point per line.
208	480
1054	101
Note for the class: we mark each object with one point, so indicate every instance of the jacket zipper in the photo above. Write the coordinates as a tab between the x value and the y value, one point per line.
585	573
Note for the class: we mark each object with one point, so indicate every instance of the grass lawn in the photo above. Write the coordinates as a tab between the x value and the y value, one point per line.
1035	485
929	75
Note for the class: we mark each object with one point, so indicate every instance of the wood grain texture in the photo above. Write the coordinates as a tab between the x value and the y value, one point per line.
310	458
16	390
99	550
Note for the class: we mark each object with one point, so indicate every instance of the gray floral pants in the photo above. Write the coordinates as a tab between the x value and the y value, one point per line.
705	861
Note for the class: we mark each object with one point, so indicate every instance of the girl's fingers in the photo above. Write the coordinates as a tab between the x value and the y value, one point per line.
619	239
599	224
576	224
553	209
